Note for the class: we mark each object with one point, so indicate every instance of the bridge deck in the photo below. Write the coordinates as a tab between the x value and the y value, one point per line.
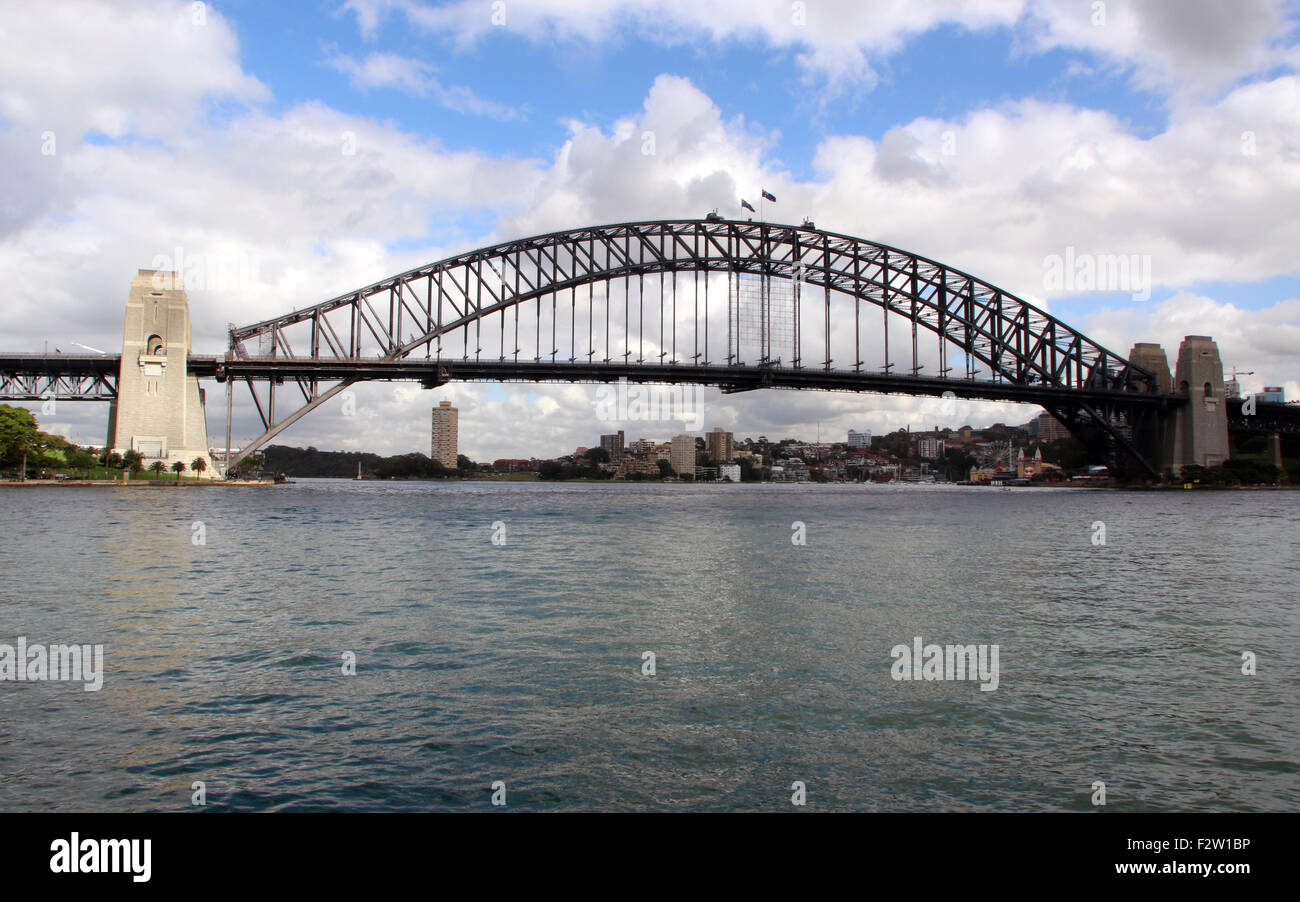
729	378
93	377
32	376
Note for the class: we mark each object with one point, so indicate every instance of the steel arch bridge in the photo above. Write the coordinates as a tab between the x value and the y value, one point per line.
736	304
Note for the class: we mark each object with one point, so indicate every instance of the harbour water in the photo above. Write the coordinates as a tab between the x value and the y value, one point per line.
225	616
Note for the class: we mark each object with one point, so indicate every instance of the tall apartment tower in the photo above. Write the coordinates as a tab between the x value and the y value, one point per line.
159	407
682	455
444	446
613	444
720	445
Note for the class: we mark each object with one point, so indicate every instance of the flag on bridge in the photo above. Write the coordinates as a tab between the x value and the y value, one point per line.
767	195
744	203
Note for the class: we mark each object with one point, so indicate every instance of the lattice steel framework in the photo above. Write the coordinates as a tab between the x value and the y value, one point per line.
992	335
60	377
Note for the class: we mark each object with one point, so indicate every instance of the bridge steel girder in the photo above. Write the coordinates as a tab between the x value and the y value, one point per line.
1020	344
1268	418
58	377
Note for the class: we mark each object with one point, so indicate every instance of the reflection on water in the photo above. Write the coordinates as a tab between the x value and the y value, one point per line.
522	662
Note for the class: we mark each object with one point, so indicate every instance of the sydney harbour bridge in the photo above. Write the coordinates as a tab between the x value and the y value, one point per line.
740	305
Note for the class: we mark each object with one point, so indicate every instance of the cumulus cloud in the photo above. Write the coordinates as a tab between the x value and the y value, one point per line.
1169	46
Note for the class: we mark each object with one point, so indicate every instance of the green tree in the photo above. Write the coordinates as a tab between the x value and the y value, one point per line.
550	469
18	434
133	461
666	469
178	468
158	467
80	459
199	465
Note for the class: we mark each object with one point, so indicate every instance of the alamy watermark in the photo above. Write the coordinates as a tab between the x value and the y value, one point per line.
626	402
1098	272
199	272
25	663
946	662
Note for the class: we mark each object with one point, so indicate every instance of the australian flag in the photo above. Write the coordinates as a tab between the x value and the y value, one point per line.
744	203
767	195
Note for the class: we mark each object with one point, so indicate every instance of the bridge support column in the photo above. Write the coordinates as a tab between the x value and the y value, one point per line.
1275	449
1197	433
1149	426
159	410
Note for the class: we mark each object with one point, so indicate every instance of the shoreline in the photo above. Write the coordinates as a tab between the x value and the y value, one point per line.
129	483
166	483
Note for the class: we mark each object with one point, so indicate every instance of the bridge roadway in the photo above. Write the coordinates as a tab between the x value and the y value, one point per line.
32	367
35	377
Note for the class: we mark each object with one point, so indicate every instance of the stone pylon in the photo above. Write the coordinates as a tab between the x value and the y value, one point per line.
1150	426
159	408
1198	433
1195	433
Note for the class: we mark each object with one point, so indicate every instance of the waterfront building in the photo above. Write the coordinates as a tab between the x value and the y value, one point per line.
682	455
645	464
613	445
720	445
445	439
1050	428
929	447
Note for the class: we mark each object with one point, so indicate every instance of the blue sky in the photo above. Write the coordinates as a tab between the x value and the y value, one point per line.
943	73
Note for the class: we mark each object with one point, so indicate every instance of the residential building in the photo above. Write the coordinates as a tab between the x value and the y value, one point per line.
859	439
929	447
445	444
1050	428
613	444
720	445
646	464
682	455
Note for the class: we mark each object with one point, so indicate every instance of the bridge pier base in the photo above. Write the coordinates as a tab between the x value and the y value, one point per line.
159	411
1148	425
1275	450
1196	433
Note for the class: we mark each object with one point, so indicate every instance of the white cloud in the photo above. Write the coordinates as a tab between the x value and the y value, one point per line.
152	63
1170	46
390	70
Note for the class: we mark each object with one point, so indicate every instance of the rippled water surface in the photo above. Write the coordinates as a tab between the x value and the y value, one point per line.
521	662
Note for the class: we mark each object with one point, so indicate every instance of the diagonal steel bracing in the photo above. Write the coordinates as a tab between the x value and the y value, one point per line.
440	311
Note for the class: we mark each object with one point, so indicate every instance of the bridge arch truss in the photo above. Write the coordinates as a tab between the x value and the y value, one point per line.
738	304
